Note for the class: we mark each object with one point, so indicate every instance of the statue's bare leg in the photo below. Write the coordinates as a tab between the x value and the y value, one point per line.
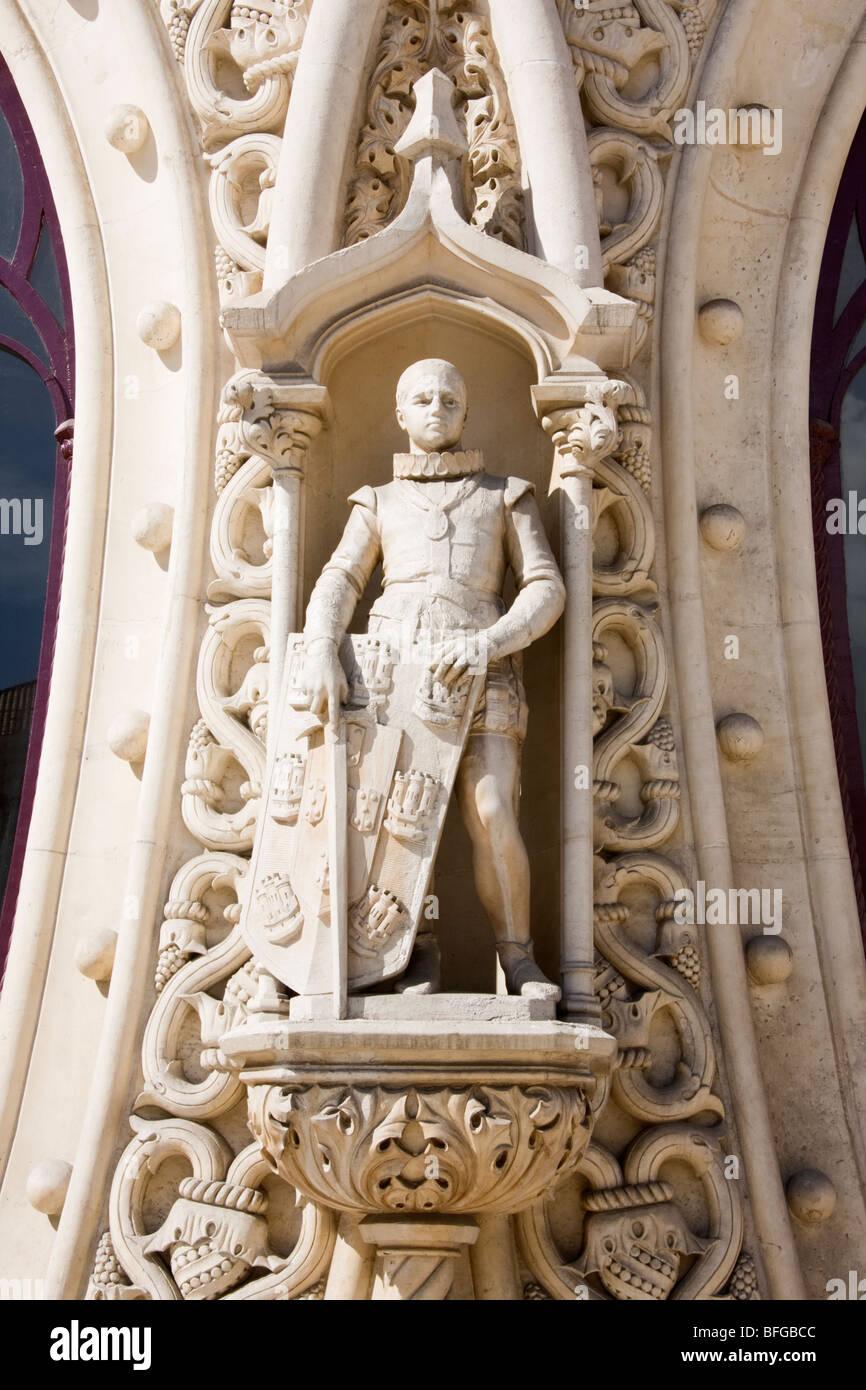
487	787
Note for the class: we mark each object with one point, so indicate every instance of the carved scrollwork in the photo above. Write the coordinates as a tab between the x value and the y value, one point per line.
635	1235
259	45
239	61
247	493
369	1149
242	182
226	755
155	1141
646	986
619	493
633	167
257	437
633	64
640	48
636	715
214	1236
166	1083
184	931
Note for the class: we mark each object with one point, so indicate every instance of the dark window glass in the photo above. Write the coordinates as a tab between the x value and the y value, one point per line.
36	375
838	449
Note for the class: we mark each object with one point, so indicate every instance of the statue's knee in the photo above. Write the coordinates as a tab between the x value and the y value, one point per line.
495	814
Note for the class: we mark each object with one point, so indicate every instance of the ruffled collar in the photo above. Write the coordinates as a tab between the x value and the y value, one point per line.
448	465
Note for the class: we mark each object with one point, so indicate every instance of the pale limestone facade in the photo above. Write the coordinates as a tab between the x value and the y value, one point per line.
253	265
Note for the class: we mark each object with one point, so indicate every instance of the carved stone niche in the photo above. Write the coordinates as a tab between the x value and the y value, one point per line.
347	325
426	1122
427	1148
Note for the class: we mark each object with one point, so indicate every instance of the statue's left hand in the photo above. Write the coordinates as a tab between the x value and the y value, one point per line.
466	651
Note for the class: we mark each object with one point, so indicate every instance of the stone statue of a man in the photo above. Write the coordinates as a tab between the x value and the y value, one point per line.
447	533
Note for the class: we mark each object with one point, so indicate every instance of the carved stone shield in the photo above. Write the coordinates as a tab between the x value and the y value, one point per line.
404	739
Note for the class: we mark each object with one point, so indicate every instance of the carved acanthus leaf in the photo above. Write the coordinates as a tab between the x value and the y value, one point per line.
370	1149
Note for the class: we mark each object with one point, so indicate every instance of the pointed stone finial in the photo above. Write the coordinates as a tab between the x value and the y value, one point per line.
433	128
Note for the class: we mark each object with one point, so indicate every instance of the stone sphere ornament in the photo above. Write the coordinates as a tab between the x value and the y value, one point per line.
811	1196
769	960
158	325
721	322
94	954
723	527
127	735
152	527
127	129
47	1185
741	737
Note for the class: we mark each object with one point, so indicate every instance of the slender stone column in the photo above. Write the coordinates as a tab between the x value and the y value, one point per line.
416	1256
351	1272
288	560
583	431
494	1260
323	115
279	421
551	135
294	431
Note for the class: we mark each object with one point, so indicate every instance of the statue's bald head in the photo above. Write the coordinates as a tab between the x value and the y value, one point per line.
444	373
432	403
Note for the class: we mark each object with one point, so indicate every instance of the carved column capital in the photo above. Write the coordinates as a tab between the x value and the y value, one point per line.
275	420
580	418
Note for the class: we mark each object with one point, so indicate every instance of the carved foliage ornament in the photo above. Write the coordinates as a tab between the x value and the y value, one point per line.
456	39
369	1149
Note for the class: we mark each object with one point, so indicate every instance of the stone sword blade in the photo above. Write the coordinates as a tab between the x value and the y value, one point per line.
337	811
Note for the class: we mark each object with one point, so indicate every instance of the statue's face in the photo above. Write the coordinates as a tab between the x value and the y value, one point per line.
433	410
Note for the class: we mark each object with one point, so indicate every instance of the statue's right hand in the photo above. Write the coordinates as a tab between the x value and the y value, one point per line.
325	680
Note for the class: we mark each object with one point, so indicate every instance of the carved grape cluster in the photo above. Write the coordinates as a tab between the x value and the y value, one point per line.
662	735
693	23
106	1267
744	1280
534	1293
688	962
315	1292
635	460
177	24
200	736
243	985
168	962
225	266
608	982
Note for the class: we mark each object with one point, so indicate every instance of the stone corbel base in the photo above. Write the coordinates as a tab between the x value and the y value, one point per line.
425	1136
